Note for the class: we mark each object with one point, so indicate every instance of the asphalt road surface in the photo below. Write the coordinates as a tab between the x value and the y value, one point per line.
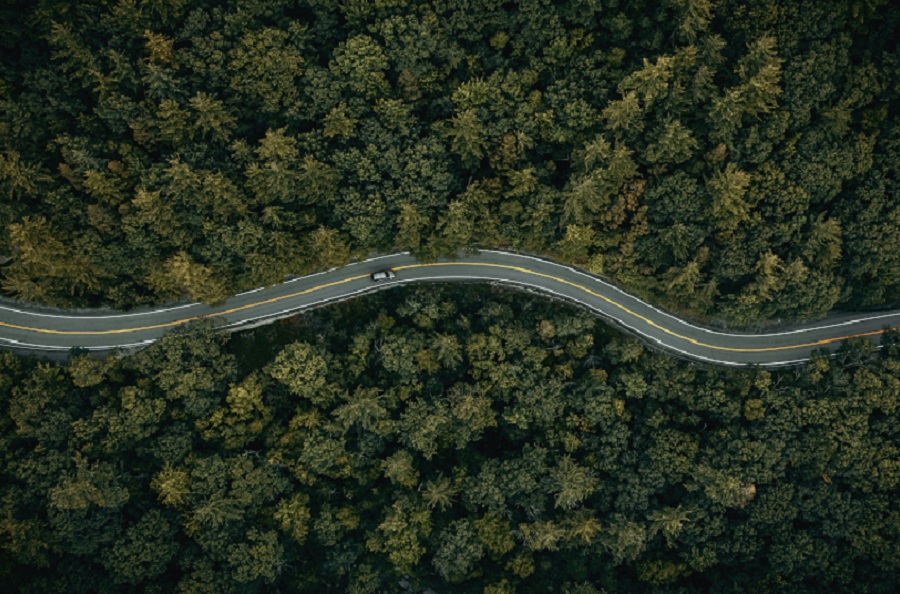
38	330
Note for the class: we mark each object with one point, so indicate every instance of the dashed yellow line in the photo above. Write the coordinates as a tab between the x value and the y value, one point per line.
616	304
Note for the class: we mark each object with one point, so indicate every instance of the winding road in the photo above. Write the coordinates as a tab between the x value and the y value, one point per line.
39	330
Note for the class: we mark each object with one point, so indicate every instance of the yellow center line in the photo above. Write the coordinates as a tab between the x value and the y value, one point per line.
183	320
650	322
616	304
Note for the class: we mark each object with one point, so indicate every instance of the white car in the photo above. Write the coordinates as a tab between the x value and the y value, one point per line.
385	274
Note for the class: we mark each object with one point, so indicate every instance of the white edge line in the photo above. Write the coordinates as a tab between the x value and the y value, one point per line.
27	345
497	279
250	292
520	283
685	322
601	313
186	305
131	315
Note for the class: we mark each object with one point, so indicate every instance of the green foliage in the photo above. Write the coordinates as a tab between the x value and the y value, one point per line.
302	369
529	449
156	150
144	551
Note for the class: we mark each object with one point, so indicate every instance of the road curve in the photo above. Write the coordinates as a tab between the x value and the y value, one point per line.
40	330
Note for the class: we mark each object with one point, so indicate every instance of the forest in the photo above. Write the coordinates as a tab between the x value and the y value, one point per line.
732	160
455	439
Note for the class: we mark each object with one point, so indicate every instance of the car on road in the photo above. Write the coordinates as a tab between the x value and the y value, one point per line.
385	274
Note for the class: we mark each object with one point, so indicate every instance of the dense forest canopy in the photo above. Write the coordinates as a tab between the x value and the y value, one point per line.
733	158
453	440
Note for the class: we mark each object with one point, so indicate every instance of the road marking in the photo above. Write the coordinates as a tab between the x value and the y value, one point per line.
250	292
672	349
650	322
520	269
681	321
185	305
183	320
